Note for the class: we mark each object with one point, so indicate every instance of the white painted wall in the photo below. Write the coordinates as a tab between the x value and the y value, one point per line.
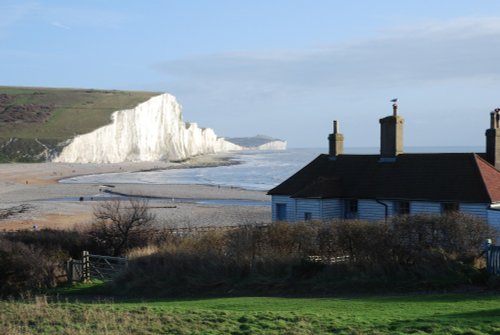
312	206
370	210
494	218
332	208
479	210
421	207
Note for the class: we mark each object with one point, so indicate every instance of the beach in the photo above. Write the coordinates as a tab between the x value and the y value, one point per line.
51	204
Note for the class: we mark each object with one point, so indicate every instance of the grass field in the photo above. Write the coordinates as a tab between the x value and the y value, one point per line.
74	111
405	314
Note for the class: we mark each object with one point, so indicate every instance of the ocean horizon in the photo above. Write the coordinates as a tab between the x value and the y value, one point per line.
255	170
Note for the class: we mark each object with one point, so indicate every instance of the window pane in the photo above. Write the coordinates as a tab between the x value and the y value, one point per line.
447	207
402	207
351	209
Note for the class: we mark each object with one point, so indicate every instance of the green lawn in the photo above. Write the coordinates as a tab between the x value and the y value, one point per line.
415	314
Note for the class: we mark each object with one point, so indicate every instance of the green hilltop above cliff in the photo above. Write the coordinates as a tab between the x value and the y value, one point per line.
54	113
33	121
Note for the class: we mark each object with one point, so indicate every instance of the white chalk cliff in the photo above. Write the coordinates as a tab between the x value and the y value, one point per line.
273	145
152	131
259	142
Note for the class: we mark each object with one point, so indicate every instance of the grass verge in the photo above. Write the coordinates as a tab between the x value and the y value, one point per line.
417	314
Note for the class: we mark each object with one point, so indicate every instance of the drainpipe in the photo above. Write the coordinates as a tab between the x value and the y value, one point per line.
386	209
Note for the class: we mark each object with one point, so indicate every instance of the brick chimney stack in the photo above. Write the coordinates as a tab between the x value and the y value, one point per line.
391	135
336	141
493	139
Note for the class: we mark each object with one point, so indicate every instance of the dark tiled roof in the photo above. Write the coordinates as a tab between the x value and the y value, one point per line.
462	177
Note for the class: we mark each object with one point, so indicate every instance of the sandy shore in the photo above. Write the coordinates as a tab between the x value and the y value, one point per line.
175	205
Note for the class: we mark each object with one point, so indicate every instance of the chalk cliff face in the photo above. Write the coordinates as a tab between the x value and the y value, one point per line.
259	142
273	145
152	131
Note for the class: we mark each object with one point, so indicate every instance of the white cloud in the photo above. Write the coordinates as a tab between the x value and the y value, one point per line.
86	17
60	25
33	13
446	71
454	50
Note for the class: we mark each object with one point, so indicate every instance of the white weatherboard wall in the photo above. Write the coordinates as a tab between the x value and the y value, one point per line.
152	131
371	210
478	210
312	206
494	218
420	207
332	208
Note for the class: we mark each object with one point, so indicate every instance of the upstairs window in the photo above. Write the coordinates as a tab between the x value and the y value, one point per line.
350	209
402	207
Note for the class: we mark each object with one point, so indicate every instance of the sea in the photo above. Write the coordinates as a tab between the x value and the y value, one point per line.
253	170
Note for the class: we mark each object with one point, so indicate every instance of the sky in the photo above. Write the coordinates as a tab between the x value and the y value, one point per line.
283	68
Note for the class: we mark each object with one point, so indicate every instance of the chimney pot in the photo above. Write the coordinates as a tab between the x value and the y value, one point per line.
391	135
395	109
493	139
335	141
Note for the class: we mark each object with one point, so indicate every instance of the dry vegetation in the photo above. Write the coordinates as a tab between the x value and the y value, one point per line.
408	253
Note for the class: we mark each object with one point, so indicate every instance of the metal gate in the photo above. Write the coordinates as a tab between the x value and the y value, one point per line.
95	267
493	258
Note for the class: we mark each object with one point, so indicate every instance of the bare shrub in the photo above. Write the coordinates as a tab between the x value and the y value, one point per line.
120	225
457	235
415	250
68	242
26	268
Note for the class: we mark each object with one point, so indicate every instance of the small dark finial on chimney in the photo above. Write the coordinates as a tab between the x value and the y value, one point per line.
394	107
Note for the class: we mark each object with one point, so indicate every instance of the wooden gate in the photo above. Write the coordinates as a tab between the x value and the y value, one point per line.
95	267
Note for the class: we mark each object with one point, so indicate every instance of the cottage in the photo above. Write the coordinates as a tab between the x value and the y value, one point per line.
375	187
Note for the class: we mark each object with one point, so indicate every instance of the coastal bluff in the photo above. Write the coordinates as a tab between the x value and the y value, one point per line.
104	126
154	131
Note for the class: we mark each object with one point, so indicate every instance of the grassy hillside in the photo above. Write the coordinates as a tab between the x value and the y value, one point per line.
405	314
70	111
52	115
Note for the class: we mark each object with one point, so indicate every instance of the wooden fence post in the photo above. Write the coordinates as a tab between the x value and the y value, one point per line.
487	249
69	270
85	266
